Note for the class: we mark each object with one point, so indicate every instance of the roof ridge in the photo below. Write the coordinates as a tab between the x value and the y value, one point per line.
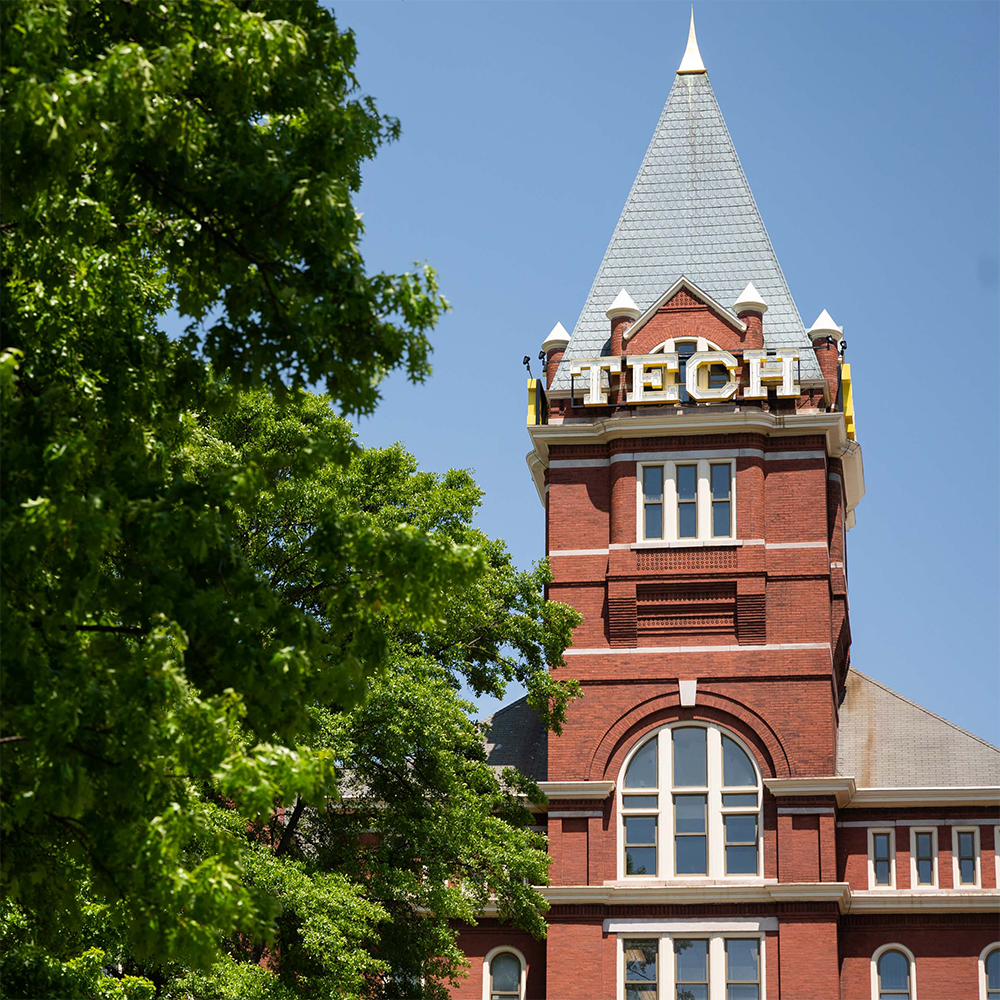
926	711
505	708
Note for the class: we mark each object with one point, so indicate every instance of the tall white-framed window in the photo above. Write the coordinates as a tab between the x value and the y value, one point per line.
996	855
688	500
989	972
690	806
923	857
691	965
881	858
894	973
505	973
965	857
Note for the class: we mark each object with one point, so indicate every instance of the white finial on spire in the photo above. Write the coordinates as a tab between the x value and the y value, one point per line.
691	63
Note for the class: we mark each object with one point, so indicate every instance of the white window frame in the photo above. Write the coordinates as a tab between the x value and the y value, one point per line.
666	970
955	831
703	503
995	946
664	811
934	883
891	831
895	946
996	856
490	955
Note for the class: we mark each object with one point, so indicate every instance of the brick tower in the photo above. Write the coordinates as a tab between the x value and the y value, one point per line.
733	812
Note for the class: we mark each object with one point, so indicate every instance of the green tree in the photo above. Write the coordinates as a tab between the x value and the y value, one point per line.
202	156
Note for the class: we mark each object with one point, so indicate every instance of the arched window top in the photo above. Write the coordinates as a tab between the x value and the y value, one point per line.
504	971
893	973
685	345
690	799
989	978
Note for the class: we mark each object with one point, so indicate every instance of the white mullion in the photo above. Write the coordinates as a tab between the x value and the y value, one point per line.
716	967
733	532
665	805
665	979
703	505
714	828
670	502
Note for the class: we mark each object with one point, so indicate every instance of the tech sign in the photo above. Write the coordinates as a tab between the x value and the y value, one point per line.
657	378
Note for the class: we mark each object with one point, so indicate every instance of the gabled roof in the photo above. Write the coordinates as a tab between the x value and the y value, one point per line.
700	294
516	738
690	212
888	741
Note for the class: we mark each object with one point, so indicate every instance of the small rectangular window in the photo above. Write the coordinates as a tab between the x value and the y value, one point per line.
652	501
883	863
722	519
741	844
640	969
691	969
966	852
742	969
687	501
690	837
924	851
640	845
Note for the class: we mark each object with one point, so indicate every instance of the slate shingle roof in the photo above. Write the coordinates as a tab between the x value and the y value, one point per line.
888	741
690	213
516	739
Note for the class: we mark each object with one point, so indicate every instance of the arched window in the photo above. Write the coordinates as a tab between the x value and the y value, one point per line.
503	975
689	797
893	973
712	377
989	973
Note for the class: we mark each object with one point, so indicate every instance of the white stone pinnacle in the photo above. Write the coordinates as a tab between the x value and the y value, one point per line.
749	298
691	63
825	327
558	337
623	306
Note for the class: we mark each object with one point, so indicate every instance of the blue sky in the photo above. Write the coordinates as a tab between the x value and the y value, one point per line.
869	134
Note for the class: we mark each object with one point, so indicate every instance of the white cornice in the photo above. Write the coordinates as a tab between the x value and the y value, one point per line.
841	788
577	789
979	795
925	901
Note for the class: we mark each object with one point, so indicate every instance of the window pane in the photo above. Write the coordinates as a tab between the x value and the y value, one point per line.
689	813
923	845
743	991
967	871
740	799
691	856
882	873
741	860
692	991
881	846
925	871
640	861
687	482
965	844
721	476
721	523
506	972
692	961
687	521
640	829
993	969
640	961
652	482
893	971
639	801
641	771
741	829
640	993
653	527
736	767
741	960
690	757
718	376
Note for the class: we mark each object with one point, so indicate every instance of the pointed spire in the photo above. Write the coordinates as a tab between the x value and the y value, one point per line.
691	63
825	327
749	298
623	306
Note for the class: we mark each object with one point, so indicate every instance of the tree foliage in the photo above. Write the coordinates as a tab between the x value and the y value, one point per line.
202	575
